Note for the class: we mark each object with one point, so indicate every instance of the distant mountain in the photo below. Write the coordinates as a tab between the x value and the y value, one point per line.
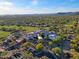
67	13
50	14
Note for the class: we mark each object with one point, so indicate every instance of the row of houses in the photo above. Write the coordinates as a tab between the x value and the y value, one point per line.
11	43
40	34
35	25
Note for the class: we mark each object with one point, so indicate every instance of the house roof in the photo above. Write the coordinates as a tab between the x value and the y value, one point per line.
1	49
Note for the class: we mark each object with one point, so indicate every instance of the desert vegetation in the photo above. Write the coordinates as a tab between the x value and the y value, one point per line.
39	37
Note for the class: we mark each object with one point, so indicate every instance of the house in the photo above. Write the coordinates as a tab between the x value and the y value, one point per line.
9	41
38	54
32	38
77	49
30	49
2	49
5	45
35	36
17	34
48	54
19	40
16	56
2	58
44	34
10	36
52	36
37	32
29	37
15	46
70	37
39	37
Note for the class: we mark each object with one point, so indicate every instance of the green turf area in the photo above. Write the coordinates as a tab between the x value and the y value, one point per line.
3	35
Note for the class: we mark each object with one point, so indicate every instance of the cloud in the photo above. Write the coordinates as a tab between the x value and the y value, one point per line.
7	7
17	10
6	3
34	2
66	9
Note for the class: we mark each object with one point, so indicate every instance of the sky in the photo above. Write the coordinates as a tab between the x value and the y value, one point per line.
37	6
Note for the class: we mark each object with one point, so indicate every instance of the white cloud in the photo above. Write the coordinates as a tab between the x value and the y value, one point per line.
63	9
15	10
6	3
9	8
5	7
4	0
34	2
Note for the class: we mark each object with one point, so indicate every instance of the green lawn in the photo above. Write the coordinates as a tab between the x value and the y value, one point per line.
3	35
14	27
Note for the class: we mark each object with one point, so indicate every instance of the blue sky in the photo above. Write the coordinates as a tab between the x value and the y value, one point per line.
37	6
